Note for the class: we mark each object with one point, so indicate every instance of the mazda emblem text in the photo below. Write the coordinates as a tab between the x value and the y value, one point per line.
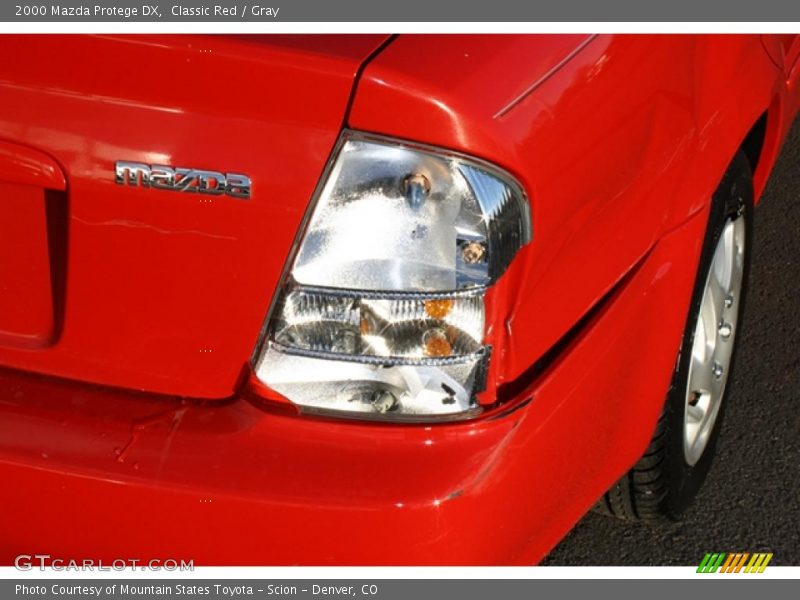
183	179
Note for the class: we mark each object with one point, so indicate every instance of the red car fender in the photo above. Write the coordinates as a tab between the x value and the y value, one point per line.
617	144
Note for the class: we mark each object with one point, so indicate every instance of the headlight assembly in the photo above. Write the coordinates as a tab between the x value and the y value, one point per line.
382	313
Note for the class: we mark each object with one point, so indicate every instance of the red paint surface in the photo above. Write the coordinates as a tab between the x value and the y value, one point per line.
167	292
619	149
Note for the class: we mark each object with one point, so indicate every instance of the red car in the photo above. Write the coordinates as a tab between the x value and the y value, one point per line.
366	299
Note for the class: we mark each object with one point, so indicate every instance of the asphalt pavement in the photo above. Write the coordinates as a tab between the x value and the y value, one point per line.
751	499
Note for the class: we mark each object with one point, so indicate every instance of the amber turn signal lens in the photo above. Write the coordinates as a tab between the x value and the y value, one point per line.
438	309
435	343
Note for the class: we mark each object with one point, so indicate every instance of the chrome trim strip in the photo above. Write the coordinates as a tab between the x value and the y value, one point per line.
382	361
388	294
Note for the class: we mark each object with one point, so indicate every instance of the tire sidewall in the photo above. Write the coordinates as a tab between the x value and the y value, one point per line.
734	196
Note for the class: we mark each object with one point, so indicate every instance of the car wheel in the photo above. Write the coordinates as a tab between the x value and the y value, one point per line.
674	466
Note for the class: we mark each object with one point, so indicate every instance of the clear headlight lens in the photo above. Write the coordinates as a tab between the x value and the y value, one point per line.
383	310
397	218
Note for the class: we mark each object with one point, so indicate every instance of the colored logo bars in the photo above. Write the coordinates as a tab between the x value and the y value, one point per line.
735	562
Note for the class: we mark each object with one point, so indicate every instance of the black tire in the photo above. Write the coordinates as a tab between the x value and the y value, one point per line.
662	484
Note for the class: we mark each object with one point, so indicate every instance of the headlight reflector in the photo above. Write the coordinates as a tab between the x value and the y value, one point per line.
399	327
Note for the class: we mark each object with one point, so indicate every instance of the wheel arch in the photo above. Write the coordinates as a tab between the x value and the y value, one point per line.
743	104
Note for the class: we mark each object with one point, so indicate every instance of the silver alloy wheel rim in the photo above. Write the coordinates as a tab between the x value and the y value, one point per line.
713	340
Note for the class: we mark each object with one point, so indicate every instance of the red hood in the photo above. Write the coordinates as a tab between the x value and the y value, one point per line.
146	288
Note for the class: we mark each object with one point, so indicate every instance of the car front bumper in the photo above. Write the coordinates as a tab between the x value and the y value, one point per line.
106	474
